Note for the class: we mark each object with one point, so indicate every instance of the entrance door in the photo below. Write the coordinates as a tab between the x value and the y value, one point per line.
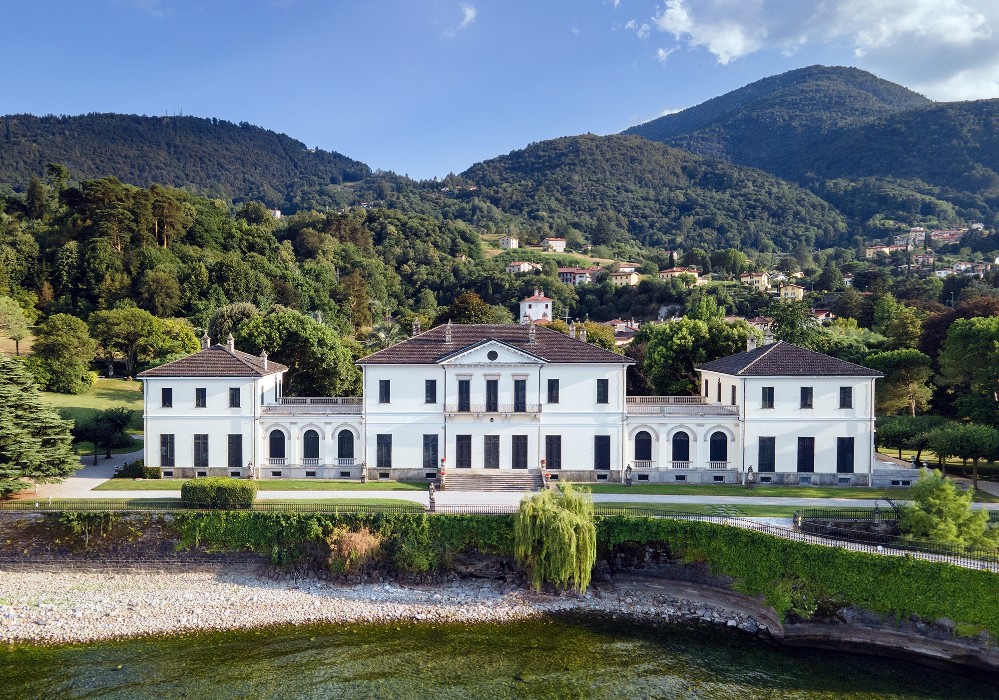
463	451
519	452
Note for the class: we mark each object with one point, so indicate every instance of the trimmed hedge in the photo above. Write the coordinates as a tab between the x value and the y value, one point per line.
218	492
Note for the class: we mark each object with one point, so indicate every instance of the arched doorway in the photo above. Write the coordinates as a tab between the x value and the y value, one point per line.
345	446
681	450
643	446
276	445
310	448
718	447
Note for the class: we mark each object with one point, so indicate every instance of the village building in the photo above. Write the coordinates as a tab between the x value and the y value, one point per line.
760	281
493	399
792	292
509	242
674	272
624	279
577	275
536	308
556	245
520	267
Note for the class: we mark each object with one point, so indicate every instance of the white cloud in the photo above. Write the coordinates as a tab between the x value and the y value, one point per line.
945	48
670	110
641	30
663	54
468	13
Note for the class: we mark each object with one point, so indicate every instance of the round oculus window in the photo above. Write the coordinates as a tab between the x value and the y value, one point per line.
492	355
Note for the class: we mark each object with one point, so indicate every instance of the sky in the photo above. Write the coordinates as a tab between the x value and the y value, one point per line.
428	87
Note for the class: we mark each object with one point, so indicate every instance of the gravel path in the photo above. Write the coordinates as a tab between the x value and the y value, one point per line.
78	606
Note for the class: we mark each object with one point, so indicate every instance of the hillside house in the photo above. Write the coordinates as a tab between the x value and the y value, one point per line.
519	267
556	245
509	242
760	281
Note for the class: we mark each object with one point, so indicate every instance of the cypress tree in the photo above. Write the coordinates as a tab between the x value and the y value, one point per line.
35	443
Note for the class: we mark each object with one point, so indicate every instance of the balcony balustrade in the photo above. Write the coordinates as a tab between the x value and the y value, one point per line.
500	408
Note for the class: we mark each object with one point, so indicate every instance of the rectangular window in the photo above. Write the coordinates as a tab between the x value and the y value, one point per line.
603	391
846	397
518	452
768	397
718	399
431	455
520	395
234	450
234	397
463	451
166	397
705	388
806	454
492	395
167	457
733	394
200	397
553	451
490	456
384	391
200	450
430	391
383	451
552	391
806	397
844	455
768	454
601	451
464	394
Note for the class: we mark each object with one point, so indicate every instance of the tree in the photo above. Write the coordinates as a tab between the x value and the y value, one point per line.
969	366
555	538
830	278
320	362
673	349
907	432
110	429
384	334
904	386
974	442
35	443
127	333
849	304
792	322
941	513
468	307
159	292
228	318
63	351
13	322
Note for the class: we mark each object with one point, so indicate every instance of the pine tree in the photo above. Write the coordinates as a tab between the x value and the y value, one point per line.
35	443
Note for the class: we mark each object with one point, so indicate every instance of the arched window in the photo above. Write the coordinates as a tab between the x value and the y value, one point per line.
345	444
311	445
643	446
681	447
719	447
276	439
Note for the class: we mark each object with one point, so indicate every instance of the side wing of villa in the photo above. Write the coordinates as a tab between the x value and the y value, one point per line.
517	397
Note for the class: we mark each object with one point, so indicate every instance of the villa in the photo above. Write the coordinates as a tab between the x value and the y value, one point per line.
517	397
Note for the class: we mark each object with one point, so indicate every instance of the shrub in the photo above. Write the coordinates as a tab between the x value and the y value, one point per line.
132	470
221	493
151	472
555	539
351	550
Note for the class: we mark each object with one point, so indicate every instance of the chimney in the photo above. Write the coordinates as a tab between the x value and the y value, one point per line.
230	343
206	342
768	337
531	333
751	342
572	330
447	333
416	328
263	358
582	332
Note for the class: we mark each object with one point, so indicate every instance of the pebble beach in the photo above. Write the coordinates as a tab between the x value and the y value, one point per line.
56	607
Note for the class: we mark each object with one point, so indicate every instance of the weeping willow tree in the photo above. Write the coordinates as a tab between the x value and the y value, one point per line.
555	539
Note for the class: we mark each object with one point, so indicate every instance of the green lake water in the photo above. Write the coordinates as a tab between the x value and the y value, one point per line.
557	659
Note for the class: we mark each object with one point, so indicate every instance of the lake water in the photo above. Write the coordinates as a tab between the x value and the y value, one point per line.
557	659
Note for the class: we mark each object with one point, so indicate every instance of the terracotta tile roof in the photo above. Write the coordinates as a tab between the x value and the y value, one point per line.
429	348
782	359
216	361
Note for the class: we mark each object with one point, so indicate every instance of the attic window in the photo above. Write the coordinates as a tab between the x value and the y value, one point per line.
492	355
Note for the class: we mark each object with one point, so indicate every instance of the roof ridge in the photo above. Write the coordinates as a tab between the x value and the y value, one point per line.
233	354
766	351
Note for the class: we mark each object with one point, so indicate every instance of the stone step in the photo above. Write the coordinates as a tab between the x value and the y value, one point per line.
492	480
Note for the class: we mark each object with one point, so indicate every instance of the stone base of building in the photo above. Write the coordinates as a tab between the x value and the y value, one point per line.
267	472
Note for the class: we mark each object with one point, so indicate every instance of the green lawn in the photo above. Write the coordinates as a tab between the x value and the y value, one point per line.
955	467
747	511
87	448
104	394
267	485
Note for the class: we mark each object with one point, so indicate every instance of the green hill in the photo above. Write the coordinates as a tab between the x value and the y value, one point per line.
209	156
611	188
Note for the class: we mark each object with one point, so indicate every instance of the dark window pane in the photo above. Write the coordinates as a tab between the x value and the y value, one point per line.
167	457
519	395
234	397
384	391
383	451
601	452
430	390
768	397
733	394
235	451
603	393
166	397
768	454
806	397
492	395
311	445
276	445
430	452
201	450
345	445
518	458
464	395
552	391
846	397
806	454
718	447
681	447
200	398
844	455
718	399
553	451
463	451
491	450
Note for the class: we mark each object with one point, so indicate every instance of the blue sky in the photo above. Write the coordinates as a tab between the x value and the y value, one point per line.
425	87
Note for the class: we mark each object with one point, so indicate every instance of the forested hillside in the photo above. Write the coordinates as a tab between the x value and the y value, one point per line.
209	156
611	189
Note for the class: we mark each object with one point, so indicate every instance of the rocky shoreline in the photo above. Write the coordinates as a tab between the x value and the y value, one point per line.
58	607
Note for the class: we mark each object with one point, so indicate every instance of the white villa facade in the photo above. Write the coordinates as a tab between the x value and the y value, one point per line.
508	397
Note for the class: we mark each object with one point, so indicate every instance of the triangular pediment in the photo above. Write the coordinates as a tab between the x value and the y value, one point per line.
490	352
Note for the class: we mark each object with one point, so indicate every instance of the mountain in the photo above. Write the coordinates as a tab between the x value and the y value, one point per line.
210	156
612	188
760	123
